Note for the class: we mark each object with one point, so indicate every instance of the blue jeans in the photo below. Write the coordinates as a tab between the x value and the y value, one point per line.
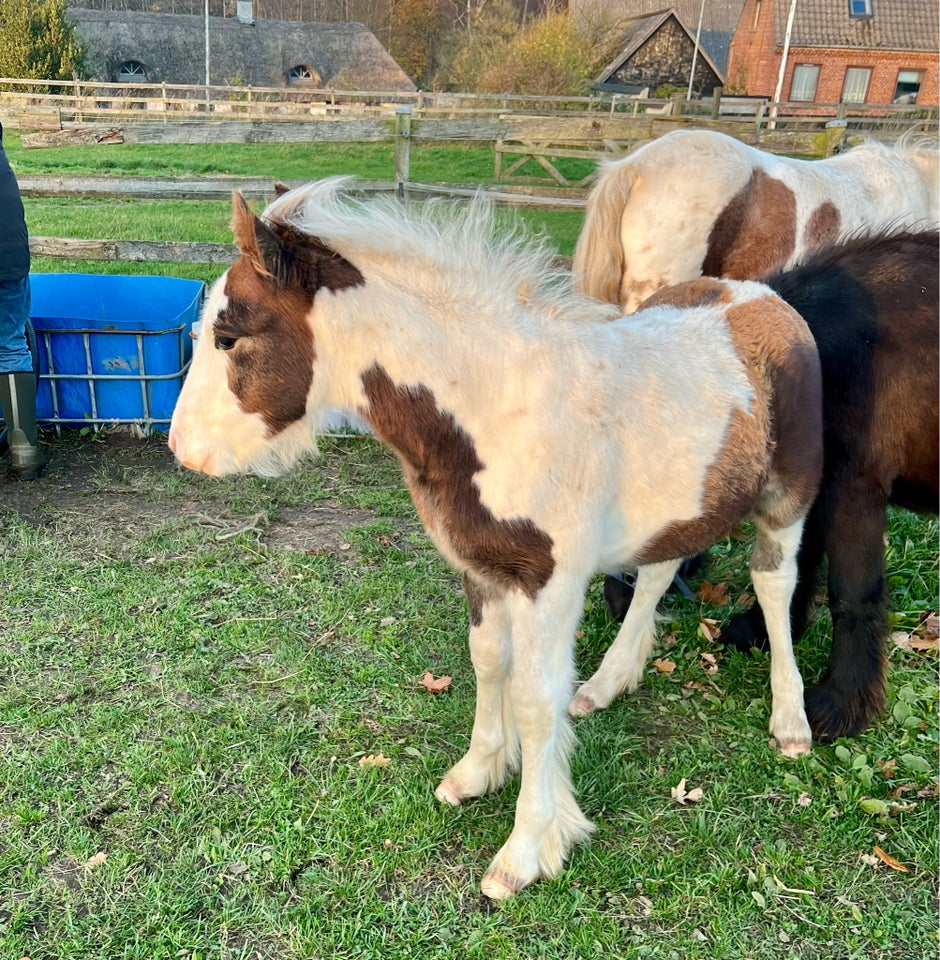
14	312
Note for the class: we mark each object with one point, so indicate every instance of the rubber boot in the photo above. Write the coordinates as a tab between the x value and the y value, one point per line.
18	406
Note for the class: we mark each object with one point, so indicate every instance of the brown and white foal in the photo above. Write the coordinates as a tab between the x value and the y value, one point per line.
542	440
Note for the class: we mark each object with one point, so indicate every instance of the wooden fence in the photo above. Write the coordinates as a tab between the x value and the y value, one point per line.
529	134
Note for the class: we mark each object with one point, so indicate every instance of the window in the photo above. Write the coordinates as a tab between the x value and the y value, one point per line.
756	15
908	86
131	71
859	8
805	79
303	75
855	87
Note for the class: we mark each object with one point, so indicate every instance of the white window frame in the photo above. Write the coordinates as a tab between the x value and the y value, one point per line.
850	91
797	88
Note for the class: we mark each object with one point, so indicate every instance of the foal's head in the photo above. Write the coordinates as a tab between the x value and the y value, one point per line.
244	403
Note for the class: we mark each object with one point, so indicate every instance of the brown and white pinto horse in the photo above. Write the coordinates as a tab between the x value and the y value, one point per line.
698	202
542	440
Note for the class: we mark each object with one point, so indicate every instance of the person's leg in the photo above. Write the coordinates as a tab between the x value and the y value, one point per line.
18	382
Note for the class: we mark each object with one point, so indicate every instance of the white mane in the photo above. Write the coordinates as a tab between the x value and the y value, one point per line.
441	242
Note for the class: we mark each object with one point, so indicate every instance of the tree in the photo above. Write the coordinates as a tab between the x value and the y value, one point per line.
417	29
37	41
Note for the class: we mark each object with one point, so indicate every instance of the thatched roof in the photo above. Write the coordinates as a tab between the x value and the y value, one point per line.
346	56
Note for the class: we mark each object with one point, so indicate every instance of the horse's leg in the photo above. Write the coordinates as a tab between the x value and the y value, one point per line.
773	573
548	821
623	664
494	742
852	691
749	629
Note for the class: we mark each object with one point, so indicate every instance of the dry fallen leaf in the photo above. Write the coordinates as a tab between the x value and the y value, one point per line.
804	799
374	760
709	664
664	665
890	861
434	685
683	796
96	860
715	594
709	629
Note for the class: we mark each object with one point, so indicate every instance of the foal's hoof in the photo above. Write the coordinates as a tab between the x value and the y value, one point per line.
498	885
448	792
582	705
793	748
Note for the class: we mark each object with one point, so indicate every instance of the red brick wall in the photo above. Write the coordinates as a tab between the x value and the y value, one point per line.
754	62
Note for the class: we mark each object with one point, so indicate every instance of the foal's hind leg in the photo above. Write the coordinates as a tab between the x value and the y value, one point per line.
748	629
852	691
773	573
494	742
623	664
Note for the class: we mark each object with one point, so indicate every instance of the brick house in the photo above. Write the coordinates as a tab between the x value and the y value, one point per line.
851	51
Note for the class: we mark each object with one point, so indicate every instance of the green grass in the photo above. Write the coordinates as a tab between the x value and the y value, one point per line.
194	706
192	703
207	220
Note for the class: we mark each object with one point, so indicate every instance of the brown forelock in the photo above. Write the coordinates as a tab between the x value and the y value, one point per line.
823	226
693	293
755	232
439	460
778	346
270	291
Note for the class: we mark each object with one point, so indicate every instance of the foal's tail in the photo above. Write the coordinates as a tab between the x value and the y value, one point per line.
598	257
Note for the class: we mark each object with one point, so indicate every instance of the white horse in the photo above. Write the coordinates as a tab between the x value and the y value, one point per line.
697	202
542	440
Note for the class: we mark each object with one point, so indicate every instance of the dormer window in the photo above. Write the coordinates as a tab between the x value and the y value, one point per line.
303	75
132	71
860	8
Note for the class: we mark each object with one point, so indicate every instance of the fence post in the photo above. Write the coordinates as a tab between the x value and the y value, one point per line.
402	148
716	103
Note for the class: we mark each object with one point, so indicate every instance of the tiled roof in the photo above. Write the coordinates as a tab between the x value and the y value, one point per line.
893	25
719	18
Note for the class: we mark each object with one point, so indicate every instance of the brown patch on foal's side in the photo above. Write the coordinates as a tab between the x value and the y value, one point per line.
790	375
755	232
732	485
439	462
770	460
702	292
822	226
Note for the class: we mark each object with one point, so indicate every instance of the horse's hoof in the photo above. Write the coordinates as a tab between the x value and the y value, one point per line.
498	885
582	705
833	713
447	792
745	632
793	748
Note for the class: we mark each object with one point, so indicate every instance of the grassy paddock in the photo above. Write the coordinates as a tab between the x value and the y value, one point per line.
191	671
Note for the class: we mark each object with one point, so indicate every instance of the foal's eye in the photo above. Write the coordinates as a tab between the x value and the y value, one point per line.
224	343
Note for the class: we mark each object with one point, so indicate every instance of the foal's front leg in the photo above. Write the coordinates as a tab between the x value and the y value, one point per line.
494	742
548	821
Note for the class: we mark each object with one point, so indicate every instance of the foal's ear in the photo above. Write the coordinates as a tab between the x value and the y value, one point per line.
265	248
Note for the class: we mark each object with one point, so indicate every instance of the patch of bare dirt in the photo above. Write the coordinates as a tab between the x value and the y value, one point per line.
112	490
